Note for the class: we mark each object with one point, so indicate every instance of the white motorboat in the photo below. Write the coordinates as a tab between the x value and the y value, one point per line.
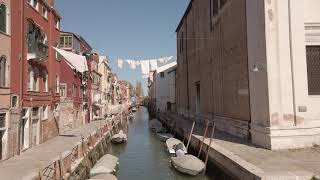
104	177
174	145
188	164
106	165
119	138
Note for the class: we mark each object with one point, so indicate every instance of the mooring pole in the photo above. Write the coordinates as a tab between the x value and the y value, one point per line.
209	147
190	134
204	136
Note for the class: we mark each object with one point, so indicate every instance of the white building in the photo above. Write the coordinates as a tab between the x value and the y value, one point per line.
164	83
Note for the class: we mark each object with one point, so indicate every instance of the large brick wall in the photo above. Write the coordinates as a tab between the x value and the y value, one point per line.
217	58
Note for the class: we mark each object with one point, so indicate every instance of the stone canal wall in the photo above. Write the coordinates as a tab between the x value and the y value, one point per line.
76	163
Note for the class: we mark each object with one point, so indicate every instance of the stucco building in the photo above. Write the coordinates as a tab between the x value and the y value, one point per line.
252	67
105	84
7	136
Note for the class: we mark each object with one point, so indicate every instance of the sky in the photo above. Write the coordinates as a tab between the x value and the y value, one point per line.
125	29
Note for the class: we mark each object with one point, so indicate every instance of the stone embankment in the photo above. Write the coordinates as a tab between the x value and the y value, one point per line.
68	156
239	159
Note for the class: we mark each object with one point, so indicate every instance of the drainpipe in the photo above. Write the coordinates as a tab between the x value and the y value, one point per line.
186	54
22	57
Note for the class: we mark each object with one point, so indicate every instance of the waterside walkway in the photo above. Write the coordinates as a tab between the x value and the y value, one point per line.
246	161
29	163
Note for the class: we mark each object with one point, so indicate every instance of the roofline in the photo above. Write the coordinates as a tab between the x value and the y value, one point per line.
184	15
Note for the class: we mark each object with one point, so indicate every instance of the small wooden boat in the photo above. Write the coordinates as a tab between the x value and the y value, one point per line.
164	136
104	177
106	165
174	145
156	126
188	164
119	138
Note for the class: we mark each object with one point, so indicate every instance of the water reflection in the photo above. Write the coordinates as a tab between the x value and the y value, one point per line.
144	157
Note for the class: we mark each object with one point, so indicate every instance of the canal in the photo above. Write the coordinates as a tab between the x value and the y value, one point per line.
145	156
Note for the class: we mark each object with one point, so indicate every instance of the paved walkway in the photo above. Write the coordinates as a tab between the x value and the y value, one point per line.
31	161
299	163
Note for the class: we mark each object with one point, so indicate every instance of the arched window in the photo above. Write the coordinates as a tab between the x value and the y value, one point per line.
3	18
3	65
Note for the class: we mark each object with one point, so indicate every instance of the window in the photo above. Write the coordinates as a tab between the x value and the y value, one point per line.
162	74
66	41
3	64
34	4
215	7
3	18
45	81
45	12
57	84
2	120
57	23
45	110
74	90
14	101
63	90
313	69
33	79
2	131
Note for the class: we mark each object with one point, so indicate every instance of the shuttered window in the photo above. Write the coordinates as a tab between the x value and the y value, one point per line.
3	18
313	68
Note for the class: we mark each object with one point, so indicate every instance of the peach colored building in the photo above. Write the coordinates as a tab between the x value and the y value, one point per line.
5	93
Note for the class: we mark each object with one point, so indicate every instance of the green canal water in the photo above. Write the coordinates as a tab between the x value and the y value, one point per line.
144	157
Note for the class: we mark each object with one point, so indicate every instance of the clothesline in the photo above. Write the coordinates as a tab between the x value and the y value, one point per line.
146	65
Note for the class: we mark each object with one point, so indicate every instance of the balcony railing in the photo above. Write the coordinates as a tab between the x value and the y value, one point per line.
37	51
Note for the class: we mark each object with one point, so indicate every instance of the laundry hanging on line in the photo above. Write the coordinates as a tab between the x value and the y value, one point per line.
153	64
120	63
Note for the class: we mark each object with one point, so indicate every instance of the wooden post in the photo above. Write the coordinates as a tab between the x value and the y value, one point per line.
209	147
204	136
190	134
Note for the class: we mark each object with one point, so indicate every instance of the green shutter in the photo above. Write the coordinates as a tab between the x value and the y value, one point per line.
3	18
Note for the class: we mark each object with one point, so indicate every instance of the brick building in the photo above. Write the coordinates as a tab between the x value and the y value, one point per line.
74	108
35	73
244	65
125	92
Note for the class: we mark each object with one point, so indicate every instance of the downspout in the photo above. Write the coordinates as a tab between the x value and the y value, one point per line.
22	57
186	54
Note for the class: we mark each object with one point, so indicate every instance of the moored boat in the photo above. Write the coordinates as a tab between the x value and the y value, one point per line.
106	165
156	126
119	138
104	177
173	145
188	164
164	136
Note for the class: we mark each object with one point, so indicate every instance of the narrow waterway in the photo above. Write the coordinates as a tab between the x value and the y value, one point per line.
144	157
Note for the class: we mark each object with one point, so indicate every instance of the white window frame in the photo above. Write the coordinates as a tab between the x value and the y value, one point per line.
65	90
57	84
4	139
32	3
6	18
45	12
5	70
45	112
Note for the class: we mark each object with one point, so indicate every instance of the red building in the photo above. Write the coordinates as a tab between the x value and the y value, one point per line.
35	72
75	86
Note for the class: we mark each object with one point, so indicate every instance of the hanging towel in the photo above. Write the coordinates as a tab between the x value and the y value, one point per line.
164	60
132	64
153	64
145	76
120	63
145	67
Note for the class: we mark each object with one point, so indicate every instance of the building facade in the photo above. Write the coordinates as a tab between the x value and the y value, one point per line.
105	85
35	26
7	136
259	82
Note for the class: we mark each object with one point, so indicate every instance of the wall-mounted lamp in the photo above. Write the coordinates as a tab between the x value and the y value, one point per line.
259	68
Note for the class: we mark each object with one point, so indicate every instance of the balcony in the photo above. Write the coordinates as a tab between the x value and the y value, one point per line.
37	51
